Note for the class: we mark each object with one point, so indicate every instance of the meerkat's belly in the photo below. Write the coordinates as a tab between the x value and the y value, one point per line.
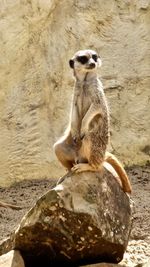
83	104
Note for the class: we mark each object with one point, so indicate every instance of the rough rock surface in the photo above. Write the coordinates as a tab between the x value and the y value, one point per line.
27	192
37	41
12	259
85	219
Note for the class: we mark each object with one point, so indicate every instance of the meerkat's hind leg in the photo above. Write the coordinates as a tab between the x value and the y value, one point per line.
65	154
85	161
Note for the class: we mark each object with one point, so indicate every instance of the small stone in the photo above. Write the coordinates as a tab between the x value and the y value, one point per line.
62	218
47	219
53	208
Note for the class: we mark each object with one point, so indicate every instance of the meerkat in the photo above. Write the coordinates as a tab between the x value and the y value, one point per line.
83	147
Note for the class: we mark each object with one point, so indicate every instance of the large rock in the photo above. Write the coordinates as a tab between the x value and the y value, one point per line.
85	219
37	40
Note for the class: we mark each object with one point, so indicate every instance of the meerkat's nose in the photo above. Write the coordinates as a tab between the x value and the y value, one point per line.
92	65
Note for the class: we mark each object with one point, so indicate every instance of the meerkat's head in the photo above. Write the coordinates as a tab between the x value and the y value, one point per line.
85	61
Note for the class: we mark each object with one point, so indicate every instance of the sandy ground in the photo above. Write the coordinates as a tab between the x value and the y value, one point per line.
27	192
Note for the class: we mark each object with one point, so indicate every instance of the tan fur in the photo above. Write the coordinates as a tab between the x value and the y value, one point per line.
111	159
84	145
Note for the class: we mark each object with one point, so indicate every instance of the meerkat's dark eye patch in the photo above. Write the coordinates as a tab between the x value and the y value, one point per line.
95	57
71	63
82	59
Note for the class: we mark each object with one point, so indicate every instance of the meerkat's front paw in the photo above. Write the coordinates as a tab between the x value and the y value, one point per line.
78	168
81	167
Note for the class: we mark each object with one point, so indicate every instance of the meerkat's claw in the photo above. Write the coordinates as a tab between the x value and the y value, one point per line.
75	168
82	167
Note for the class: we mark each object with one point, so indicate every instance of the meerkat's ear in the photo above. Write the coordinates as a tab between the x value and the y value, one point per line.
71	63
99	62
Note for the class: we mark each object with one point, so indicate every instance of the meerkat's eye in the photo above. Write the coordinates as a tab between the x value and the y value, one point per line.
95	57
82	59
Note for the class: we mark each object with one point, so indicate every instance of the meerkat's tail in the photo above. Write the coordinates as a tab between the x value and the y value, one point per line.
112	160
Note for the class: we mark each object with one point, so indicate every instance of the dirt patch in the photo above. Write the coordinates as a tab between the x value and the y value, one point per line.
26	193
138	250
